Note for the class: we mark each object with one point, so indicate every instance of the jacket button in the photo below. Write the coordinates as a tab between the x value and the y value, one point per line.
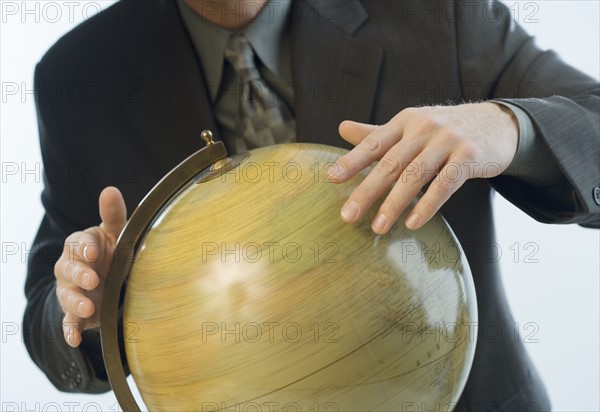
597	195
72	376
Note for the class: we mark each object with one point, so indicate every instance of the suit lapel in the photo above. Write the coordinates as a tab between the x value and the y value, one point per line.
335	83
171	105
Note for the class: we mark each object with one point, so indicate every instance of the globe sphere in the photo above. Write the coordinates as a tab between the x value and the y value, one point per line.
248	292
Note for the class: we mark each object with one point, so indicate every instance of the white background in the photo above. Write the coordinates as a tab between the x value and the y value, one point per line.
557	297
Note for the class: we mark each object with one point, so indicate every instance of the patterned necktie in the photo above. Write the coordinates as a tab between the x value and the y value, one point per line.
263	118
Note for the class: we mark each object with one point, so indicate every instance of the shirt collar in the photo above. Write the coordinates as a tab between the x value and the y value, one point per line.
267	37
266	34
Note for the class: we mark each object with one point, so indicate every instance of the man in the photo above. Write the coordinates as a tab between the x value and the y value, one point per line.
140	80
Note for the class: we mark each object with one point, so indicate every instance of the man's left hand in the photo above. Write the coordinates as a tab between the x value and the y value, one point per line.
448	144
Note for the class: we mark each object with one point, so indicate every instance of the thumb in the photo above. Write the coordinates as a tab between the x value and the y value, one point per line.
355	132
112	212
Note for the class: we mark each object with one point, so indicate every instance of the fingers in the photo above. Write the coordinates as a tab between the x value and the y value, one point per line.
414	176
74	302
78	311
72	328
79	274
80	253
446	183
75	275
407	165
378	140
378	181
112	212
455	137
86	255
355	132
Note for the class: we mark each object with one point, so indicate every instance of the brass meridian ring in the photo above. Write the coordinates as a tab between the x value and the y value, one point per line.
125	250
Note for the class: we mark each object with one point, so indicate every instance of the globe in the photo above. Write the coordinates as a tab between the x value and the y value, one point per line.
248	292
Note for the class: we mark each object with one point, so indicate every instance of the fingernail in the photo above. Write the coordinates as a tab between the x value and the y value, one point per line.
335	171
350	210
81	307
85	280
379	223
85	251
68	332
412	221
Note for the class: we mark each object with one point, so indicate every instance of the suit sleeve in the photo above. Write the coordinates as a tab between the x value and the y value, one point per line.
562	103
69	207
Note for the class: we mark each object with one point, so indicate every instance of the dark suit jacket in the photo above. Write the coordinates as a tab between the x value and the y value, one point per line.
121	100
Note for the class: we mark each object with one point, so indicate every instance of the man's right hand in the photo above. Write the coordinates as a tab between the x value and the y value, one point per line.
81	270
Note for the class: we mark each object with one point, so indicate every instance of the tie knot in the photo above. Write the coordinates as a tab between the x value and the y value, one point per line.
240	55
